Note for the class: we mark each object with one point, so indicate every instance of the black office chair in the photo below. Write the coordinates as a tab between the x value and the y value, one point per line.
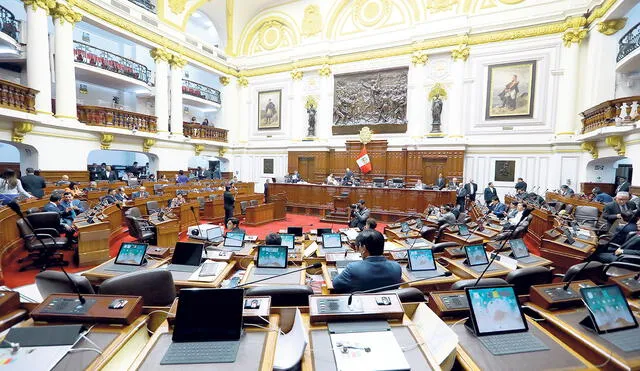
594	271
586	216
201	202
45	253
622	267
253	202
156	286
440	246
140	230
484	282
522	279
243	207
152	207
55	282
283	295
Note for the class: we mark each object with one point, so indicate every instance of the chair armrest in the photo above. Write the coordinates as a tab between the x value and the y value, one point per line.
558	275
52	231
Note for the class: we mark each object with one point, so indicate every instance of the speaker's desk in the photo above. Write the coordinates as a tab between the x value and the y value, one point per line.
464	271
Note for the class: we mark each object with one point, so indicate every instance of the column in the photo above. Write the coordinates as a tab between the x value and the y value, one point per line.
325	103
453	123
63	19
567	121
38	67
177	63
229	108
298	114
162	57
245	111
416	97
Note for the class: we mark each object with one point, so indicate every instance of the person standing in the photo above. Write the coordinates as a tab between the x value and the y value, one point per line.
490	193
472	189
623	186
229	204
33	184
11	187
521	184
441	182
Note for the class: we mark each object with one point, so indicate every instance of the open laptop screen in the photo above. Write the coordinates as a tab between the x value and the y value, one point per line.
608	308
288	240
463	230
234	239
297	231
272	257
209	315
421	260
322	231
214	233
187	253
476	255
518	248
331	241
131	253
495	310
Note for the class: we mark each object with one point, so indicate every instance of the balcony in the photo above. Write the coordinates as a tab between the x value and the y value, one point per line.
8	23
199	95
197	131
628	57
17	97
146	4
611	113
115	118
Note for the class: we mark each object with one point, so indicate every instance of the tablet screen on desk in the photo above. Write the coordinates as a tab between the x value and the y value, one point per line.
331	241
131	253
404	227
463	230
288	240
214	233
234	239
495	310
518	248
272	257
476	255
421	260
608	308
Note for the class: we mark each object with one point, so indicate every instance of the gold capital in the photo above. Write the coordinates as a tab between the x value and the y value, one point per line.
617	143
243	82
177	61
591	148
160	54
437	91
612	26
325	70
147	144
297	74
63	12
575	32
460	53
105	140
20	129
224	80
198	149
47	5
419	58
222	151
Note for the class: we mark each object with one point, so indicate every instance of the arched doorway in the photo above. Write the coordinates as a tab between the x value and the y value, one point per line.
17	156
605	172
141	163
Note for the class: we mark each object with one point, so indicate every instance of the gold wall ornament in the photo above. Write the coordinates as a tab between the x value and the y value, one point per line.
224	80
20	129
575	31
437	90
177	6
160	54
365	135
617	143
63	12
47	5
369	13
591	148
271	34
222	151
105	140
311	102
177	61
441	5
461	53
325	70
297	74
243	82
147	143
600	11
419	58
312	21
198	148
612	26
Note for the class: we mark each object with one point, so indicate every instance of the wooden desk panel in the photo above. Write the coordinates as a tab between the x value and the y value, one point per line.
563	255
457	267
166	231
551	197
261	214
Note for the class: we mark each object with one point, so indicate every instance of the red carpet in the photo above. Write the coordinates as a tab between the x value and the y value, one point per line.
13	278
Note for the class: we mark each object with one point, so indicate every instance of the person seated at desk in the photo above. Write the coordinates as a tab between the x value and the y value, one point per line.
521	194
177	201
181	178
373	271
110	198
74	189
518	214
71	208
63	182
141	193
620	235
419	185
446	216
331	180
630	247
359	215
120	195
566	191
513	209
497	208
93	186
54	206
272	239
613	210
371	223
599	196
233	225
152	177
11	187
109	174
295	177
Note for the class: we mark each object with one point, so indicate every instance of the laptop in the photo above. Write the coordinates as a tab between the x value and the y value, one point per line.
463	230
271	260
322	231
234	240
288	240
214	234
296	231
187	257
497	320
199	334
419	224
421	263
130	257
520	252
610	316
476	255
331	241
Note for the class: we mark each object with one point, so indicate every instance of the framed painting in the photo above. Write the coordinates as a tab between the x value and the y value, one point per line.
511	90
505	171
269	109
267	166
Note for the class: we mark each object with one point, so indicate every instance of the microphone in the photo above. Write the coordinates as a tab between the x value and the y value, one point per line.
315	265
193	211
395	285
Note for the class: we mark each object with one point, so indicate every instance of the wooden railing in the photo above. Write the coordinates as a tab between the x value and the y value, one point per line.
610	113
17	97
197	131
111	117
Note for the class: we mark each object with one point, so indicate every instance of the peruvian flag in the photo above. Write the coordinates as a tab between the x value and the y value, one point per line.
363	161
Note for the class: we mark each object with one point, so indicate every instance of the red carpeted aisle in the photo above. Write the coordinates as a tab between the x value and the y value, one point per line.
13	278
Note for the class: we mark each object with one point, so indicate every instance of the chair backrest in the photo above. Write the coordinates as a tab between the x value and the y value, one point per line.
154	285
440	246
134	212
460	285
586	215
47	219
23	228
134	228
152	207
201	201
253	202
54	282
243	206
283	295
593	271
522	279
34	210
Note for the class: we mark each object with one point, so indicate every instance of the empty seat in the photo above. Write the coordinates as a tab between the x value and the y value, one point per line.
594	271
152	207
154	285
243	207
522	279
586	215
484	282
253	202
54	282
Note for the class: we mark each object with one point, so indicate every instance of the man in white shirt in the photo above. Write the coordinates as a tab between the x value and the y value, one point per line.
419	185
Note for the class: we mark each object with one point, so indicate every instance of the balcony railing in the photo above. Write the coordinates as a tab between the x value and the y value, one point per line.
610	113
201	91
197	131
17	97
8	23
629	42
150	6
111	117
87	54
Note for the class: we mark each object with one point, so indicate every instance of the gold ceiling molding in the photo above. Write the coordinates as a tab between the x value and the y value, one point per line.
312	21
273	32
611	26
47	5
63	12
575	32
590	147
20	129
369	13
600	11
437	6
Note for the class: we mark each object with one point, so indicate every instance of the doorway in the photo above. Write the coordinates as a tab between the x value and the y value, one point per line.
431	167
307	168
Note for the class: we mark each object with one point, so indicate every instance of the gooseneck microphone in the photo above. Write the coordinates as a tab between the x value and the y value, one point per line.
193	211
395	285
315	265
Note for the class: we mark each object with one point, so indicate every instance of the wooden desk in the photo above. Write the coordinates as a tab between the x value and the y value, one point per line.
397	234
429	284
554	197
290	279
472	239
186	216
261	214
181	279
214	209
562	254
457	267
99	273
167	231
93	242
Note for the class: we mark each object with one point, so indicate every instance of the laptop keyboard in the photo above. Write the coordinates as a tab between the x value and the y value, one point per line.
182	268
210	269
268	271
528	259
520	342
201	352
122	268
627	340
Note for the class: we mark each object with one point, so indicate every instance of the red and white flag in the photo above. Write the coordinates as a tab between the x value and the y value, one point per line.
363	161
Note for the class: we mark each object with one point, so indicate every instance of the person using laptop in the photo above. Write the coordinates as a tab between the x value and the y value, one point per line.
233	225
373	271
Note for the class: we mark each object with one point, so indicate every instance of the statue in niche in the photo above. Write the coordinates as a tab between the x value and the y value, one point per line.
311	105
436	96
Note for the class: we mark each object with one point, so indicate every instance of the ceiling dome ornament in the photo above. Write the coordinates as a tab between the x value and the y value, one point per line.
369	13
312	21
270	35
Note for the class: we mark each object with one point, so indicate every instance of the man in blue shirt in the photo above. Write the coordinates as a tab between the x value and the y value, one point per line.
600	196
71	208
498	208
182	179
373	271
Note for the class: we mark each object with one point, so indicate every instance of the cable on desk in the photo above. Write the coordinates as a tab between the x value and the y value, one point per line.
157	311
278	330
457	322
75	350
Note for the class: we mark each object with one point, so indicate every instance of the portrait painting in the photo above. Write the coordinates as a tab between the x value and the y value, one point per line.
269	109
267	166
505	171
511	90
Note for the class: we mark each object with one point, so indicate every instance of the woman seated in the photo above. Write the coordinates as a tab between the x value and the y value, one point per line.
74	189
177	201
11	187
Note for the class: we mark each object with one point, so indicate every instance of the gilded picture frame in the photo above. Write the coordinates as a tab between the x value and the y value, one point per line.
269	109
510	90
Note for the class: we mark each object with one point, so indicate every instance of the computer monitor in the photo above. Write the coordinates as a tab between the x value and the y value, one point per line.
297	231
397	180
187	253
608	308
331	241
463	230
518	248
495	310
131	253
214	233
288	240
272	257
322	231
475	255
200	312
421	260
234	239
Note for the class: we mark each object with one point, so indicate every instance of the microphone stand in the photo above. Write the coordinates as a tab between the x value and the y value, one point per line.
316	265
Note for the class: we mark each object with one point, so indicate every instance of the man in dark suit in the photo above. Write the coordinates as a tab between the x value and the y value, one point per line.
373	271
109	175
613	210
623	186
630	247
498	208
54	206
441	182
33	184
472	189
461	195
490	193
521	184
229	203
141	193
566	191
233	225
359	216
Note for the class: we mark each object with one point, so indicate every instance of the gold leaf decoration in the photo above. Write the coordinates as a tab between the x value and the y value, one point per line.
312	21
177	6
